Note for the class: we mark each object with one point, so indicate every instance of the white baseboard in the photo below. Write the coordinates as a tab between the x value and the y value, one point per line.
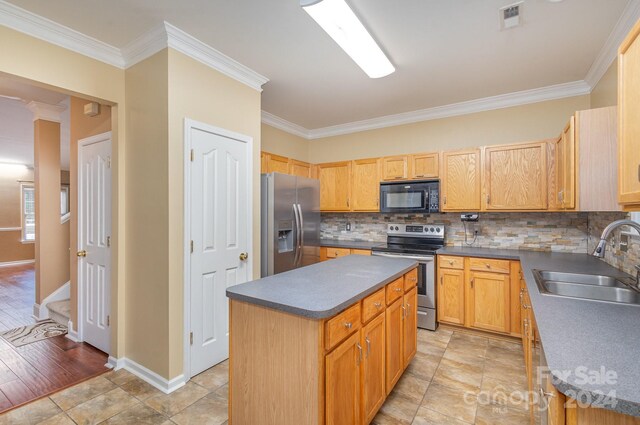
62	293
152	378
71	334
36	312
115	364
16	263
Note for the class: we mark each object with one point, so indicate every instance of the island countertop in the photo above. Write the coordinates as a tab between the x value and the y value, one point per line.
322	290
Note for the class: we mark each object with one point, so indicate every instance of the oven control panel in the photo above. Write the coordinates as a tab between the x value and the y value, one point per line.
432	230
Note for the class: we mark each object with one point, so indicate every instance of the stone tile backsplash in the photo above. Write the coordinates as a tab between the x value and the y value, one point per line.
575	232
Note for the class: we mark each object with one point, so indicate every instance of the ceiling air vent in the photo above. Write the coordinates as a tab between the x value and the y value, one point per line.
511	16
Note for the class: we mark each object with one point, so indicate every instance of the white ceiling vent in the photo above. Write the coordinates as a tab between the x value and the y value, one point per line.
511	15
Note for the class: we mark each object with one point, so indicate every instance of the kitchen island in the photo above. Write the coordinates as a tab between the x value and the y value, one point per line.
323	344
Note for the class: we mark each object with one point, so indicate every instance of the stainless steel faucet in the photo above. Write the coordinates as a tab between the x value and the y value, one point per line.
602	245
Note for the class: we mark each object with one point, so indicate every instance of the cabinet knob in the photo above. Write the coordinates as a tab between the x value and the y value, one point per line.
451	262
348	325
488	265
397	289
377	305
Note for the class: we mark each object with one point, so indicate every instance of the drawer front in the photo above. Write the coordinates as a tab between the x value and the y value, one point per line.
395	290
361	251
337	252
489	265
373	305
341	326
447	262
410	280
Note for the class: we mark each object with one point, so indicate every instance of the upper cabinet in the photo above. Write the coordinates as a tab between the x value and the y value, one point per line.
629	124
566	167
424	166
460	182
365	185
335	186
299	168
395	168
275	163
516	177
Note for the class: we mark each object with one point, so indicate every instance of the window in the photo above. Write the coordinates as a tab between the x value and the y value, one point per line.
28	213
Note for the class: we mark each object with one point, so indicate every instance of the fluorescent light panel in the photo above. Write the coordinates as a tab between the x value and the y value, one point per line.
339	21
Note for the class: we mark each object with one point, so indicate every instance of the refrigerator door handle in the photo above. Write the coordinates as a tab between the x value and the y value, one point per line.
301	233
297	241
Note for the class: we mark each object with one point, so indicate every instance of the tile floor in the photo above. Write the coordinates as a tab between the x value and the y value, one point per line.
455	378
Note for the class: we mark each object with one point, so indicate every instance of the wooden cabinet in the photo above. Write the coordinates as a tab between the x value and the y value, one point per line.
460	183
365	191
628	123
424	166
488	301
342	403
395	168
515	177
394	344
328	253
555	399
335	186
450	296
299	168
410	326
373	368
360	252
515	320
275	163
566	167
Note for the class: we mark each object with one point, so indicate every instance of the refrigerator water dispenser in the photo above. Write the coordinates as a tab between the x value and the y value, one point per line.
285	236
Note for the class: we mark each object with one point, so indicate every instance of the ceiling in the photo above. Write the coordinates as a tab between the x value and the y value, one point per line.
444	51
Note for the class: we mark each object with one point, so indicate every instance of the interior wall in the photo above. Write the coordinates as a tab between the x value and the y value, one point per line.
80	127
203	94
282	143
536	121
605	93
11	246
147	239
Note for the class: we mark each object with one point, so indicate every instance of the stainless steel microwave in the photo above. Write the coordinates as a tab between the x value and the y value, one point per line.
422	197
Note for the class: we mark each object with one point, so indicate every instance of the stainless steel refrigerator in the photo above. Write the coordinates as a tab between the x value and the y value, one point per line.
290	217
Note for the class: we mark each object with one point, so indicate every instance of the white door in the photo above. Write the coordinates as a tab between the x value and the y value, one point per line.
219	221
94	234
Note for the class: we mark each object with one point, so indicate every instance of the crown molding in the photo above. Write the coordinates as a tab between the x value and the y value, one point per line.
147	45
609	51
284	125
52	32
46	112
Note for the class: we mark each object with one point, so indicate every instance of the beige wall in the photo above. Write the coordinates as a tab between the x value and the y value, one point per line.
11	246
605	93
80	127
282	143
23	57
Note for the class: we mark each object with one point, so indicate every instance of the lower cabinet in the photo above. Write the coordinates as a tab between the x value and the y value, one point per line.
328	253
451	296
343	400
410	327
373	368
489	301
394	361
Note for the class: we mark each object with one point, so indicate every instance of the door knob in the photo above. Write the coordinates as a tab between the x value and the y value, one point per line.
243	256
82	253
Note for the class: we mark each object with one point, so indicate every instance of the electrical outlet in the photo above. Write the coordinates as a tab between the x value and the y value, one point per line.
624	242
348	226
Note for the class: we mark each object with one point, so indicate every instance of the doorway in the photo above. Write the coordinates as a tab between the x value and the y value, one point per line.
218	236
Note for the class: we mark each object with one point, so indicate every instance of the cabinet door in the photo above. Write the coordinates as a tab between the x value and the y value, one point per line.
515	324
366	185
264	160
488	301
516	177
335	184
299	168
460	182
395	168
451	296
556	400
277	164
343	382
394	343
373	368
424	166
628	123
567	180
410	327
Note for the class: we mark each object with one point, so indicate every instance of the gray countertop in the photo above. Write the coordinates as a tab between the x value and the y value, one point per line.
338	243
324	289
579	335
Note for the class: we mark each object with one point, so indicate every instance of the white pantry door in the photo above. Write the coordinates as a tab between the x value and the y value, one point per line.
219	204
94	234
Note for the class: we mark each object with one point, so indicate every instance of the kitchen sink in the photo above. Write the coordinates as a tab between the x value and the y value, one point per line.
588	286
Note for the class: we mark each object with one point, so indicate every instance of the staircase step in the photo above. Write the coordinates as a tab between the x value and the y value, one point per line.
60	311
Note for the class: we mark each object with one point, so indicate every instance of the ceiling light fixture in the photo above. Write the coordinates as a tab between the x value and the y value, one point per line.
339	21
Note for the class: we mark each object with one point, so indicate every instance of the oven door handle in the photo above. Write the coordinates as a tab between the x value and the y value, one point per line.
409	257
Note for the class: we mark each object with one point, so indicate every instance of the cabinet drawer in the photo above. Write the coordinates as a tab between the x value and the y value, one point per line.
410	280
447	262
489	265
373	305
395	290
337	252
361	251
341	326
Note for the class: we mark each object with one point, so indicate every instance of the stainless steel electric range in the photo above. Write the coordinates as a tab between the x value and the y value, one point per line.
417	242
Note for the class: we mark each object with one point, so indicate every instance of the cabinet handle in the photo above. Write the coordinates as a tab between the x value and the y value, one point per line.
408	309
544	394
420	175
377	305
488	199
451	262
441	280
348	206
522	304
359	352
366	339
444	199
397	289
404	311
348	325
471	283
